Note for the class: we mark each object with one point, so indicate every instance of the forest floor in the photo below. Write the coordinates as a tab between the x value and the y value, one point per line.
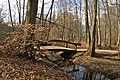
16	68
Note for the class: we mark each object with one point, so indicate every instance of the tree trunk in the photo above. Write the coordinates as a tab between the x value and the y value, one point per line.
87	23
118	19
19	9
32	6
110	25
51	9
80	27
98	28
91	49
42	13
23	12
10	13
105	16
119	26
119	34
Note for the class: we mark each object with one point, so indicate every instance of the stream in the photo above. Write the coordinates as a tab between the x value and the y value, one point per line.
81	73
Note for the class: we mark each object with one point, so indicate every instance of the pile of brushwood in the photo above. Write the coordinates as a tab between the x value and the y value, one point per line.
19	55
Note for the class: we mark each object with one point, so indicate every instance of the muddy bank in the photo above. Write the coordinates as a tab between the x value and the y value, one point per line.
109	68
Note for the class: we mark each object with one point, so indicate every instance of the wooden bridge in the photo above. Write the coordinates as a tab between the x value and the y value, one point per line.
72	50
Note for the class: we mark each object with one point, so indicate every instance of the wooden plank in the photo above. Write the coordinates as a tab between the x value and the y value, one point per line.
56	48
100	51
78	50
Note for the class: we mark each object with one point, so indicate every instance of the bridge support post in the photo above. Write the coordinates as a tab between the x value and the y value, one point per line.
75	47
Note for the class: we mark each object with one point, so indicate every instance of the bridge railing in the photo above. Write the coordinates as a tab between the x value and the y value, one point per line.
66	43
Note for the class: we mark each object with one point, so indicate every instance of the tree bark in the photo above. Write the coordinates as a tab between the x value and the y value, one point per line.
80	27
105	31
91	49
10	13
98	28
32	6
87	23
19	9
42	13
23	12
110	25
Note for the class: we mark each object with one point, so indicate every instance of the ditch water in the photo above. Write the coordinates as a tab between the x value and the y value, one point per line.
81	73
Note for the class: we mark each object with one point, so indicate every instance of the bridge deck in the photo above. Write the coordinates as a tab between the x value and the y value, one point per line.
57	48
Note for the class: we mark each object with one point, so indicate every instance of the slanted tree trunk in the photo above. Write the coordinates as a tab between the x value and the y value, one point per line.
91	49
32	6
51	10
42	13
10	13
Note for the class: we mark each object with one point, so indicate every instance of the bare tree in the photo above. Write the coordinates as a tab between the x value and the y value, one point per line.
105	25
10	12
108	12
87	22
51	10
2	16
98	27
19	9
23	11
91	49
42	13
119	34
80	27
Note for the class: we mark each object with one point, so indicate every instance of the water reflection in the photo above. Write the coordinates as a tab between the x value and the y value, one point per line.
81	73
